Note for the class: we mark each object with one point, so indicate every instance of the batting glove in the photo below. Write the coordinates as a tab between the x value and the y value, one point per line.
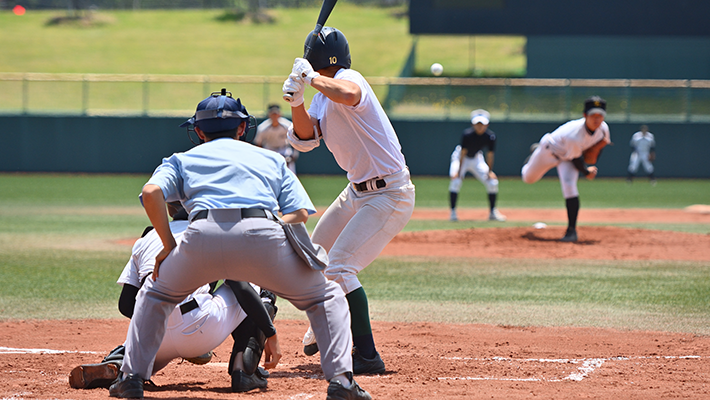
295	87
304	69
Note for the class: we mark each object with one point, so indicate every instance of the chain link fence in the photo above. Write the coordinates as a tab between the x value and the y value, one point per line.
521	99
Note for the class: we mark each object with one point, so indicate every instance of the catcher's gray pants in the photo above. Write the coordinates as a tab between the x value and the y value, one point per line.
223	246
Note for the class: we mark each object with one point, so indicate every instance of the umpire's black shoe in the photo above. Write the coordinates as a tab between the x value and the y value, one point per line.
336	391
570	236
129	388
243	382
362	365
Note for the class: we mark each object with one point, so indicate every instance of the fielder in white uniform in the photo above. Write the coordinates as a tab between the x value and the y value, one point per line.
564	149
644	152
378	201
467	157
271	134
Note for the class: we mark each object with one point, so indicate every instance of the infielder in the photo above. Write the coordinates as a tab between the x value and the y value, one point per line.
271	134
379	199
231	191
196	326
564	148
644	152
467	157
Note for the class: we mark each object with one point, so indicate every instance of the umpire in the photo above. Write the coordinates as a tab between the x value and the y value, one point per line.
231	190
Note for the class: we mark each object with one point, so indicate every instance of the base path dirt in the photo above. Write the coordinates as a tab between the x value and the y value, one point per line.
425	360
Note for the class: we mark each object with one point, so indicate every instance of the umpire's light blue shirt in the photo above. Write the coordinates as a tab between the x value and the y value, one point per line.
227	173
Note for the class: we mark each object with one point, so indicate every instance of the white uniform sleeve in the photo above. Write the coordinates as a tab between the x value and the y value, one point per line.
303	145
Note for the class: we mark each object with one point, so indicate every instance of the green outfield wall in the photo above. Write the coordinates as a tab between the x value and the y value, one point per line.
138	144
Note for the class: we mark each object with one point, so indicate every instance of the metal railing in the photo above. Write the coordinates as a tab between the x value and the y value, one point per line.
629	100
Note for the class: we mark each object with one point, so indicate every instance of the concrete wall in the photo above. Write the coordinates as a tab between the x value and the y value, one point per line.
137	145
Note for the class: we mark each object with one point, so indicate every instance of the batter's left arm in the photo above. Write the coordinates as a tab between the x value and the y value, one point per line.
338	90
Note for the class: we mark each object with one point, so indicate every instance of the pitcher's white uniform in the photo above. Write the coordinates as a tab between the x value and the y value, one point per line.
198	330
642	144
558	148
357	226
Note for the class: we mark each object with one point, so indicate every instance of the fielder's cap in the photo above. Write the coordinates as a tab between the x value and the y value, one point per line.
480	116
219	112
595	105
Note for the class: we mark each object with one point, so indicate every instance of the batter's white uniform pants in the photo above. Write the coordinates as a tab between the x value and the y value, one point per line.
202	329
543	160
640	158
476	166
357	226
225	246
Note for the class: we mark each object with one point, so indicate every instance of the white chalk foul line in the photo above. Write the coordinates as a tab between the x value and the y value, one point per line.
588	365
12	350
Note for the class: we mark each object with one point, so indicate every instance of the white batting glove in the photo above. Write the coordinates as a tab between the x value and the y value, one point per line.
304	69
295	87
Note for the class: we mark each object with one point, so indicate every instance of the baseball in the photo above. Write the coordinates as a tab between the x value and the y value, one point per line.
437	69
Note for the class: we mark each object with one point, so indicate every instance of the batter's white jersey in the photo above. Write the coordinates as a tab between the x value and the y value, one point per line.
198	330
361	138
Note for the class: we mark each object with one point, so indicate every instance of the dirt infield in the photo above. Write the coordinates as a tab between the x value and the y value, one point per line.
424	360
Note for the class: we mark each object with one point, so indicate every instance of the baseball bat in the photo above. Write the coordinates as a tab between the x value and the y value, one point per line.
325	10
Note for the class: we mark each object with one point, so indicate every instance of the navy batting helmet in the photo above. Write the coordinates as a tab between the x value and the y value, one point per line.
219	112
330	48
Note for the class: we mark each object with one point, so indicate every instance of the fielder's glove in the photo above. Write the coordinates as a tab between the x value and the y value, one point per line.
295	87
303	68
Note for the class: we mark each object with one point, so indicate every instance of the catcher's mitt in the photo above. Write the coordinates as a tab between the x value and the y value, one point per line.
592	153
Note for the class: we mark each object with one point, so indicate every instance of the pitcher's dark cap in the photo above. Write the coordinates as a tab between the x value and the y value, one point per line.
595	105
219	112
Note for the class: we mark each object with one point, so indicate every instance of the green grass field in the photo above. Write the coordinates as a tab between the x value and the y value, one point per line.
183	42
59	258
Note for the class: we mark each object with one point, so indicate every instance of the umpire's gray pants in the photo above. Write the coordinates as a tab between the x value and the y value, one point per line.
223	246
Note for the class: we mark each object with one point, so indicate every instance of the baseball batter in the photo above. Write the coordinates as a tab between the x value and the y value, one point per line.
564	149
379	199
643	144
271	134
232	191
467	157
196	326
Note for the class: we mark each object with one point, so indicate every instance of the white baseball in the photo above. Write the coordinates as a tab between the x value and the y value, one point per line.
437	69
540	225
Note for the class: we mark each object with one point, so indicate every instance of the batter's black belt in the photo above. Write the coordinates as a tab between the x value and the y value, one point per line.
362	186
246	213
189	306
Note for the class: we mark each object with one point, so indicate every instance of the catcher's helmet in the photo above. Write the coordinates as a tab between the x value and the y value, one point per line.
329	48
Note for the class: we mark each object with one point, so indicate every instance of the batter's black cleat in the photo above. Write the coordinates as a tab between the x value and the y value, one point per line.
336	391
243	382
570	236
362	365
89	376
129	388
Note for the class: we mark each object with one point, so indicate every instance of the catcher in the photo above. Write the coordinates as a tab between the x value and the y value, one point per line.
232	308
570	148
